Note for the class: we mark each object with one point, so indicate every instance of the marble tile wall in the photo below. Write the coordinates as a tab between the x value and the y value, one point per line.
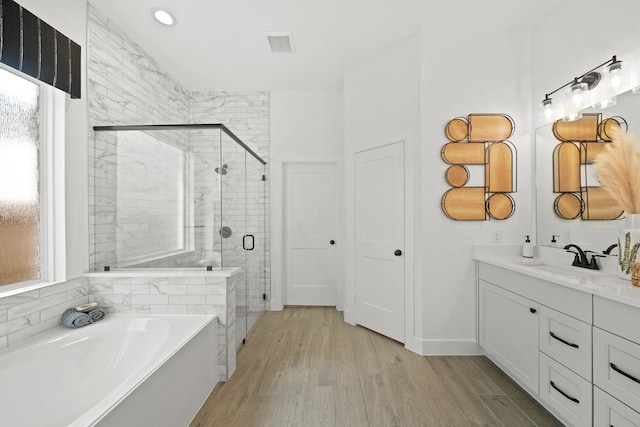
29	313
125	87
205	148
173	295
150	203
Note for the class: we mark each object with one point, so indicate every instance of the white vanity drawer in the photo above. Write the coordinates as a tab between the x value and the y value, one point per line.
567	340
567	393
609	411
616	367
620	319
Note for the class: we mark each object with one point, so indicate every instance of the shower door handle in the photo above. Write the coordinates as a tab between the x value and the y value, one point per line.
244	244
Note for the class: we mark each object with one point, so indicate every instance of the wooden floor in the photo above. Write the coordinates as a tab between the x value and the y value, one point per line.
305	366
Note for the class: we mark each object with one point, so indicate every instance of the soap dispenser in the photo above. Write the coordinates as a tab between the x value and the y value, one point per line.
527	248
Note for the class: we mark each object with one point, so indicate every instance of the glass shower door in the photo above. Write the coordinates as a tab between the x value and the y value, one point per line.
232	168
256	251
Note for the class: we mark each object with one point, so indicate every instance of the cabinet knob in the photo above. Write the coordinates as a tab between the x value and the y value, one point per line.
397	252
332	242
533	310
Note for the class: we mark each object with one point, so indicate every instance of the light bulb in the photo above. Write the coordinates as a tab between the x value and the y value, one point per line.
163	17
615	74
547	107
614	79
578	94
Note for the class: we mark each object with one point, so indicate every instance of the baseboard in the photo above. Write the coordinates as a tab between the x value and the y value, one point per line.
444	347
276	305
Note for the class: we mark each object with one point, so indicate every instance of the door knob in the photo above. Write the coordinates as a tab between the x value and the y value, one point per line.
398	252
333	242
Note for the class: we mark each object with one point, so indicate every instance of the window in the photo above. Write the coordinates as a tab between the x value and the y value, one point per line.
19	179
31	183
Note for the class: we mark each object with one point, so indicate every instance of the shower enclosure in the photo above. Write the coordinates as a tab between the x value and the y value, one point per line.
183	196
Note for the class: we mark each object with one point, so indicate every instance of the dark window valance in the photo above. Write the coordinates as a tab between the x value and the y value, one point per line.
32	46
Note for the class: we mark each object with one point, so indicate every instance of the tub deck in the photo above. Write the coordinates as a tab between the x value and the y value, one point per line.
89	376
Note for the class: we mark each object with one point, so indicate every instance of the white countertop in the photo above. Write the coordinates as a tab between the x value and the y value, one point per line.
598	283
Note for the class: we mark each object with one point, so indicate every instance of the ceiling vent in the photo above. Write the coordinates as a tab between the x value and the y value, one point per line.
280	42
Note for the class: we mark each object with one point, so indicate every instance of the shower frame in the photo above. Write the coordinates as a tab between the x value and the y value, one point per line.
240	335
182	126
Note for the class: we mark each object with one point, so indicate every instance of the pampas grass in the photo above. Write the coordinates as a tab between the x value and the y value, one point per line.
618	170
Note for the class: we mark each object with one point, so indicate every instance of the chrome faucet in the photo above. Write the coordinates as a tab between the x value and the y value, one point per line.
580	258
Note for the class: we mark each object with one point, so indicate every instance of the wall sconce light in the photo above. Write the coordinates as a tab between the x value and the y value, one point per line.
578	95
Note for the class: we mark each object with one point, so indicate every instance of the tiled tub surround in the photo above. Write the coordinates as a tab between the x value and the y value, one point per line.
26	314
174	292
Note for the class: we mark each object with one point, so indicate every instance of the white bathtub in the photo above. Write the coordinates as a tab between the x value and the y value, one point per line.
125	370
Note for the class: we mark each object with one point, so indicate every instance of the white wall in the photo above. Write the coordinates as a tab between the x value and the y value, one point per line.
466	72
305	126
382	105
69	17
416	88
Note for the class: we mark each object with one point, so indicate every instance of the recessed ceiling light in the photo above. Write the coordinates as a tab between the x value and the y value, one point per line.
163	16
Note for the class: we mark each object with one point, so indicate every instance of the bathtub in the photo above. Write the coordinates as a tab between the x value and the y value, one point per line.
126	370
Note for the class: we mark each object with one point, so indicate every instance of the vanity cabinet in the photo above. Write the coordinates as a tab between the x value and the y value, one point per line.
509	332
576	352
540	334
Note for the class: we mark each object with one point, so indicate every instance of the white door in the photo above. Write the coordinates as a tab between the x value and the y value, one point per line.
379	216
310	234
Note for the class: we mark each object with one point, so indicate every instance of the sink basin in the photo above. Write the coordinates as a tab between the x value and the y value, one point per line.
568	272
530	262
571	274
571	271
